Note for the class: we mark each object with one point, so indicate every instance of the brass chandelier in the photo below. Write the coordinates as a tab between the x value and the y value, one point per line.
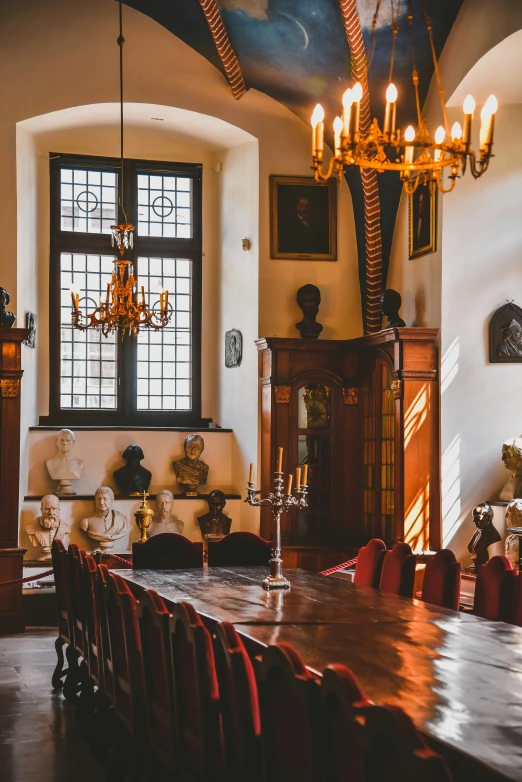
414	154
121	310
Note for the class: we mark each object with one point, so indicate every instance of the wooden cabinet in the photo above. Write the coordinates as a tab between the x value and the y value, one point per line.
11	555
364	415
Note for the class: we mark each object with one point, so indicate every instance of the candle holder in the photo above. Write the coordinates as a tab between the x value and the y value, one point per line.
279	502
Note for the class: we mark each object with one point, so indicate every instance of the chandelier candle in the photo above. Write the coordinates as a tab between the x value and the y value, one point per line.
469	108
318	132
389	112
347	110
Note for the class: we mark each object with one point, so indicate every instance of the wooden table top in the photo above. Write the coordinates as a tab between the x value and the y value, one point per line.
458	677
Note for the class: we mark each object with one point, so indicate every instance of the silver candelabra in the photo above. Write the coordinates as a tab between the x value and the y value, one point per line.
279	502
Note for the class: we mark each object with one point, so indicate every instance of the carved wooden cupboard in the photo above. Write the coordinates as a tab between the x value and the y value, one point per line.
11	554
364	415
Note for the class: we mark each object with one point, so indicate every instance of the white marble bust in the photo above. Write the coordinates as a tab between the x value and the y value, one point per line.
513	519
163	520
44	529
63	467
106	525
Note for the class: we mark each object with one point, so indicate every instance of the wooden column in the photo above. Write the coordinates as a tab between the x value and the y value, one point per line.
11	555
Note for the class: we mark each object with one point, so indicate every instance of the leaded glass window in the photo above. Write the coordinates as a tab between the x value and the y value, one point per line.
155	378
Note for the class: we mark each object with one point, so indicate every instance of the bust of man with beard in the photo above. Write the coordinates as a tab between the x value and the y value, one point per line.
43	530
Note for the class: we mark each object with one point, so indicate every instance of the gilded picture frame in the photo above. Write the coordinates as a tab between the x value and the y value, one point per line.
422	221
303	219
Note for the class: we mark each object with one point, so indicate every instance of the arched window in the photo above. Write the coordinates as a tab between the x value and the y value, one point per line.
154	379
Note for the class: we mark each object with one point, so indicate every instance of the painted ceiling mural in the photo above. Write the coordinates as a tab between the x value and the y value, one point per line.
296	52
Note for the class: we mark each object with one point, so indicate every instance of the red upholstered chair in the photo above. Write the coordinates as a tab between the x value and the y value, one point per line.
75	650
167	552
516	617
196	697
102	580
239	548
369	564
441	585
341	739
153	618
61	581
239	707
289	699
398	571
494	590
91	665
395	751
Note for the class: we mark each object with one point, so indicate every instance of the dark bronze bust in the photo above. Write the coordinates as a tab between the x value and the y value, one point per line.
215	525
7	319
485	534
309	299
133	478
390	305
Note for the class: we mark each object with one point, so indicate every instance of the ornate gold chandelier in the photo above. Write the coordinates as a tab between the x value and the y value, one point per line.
414	154
122	311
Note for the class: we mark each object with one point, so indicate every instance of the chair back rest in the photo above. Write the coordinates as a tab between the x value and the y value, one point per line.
441	585
239	707
61	582
92	626
124	634
396	752
75	559
341	732
369	564
239	549
516	616
398	571
102	581
167	551
196	695
494	590
153	618
289	699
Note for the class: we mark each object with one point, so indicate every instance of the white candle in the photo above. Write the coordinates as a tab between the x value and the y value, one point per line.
338	127
440	135
487	124
347	110
279	467
391	105
409	135
251	475
357	94
318	132
469	108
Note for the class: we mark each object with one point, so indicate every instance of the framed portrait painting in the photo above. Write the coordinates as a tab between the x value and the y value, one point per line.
422	220
303	219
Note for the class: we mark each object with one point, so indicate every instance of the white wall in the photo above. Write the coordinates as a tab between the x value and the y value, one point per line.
62	55
475	270
482	248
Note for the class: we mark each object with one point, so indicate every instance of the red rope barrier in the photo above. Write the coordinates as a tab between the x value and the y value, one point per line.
24	580
342	566
120	559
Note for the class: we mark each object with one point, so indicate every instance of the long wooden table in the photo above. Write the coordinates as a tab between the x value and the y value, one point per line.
458	677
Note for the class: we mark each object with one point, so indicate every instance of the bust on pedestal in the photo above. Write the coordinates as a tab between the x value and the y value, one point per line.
163	520
44	529
63	467
132	478
191	472
485	535
215	525
309	298
106	525
512	458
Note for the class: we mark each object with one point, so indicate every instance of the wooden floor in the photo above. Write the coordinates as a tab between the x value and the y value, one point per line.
40	739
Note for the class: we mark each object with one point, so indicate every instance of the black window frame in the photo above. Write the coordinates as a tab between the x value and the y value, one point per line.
126	413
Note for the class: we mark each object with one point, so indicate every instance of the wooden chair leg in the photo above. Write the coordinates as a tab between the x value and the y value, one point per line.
59	673
72	680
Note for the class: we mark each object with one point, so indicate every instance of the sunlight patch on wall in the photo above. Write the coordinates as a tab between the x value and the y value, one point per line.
416	521
450	365
450	489
416	414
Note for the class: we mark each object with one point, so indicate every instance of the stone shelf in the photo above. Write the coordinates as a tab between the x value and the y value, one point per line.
36	497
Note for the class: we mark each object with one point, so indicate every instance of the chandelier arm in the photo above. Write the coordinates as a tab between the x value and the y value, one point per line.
395	14
446	189
414	73
440	86
372	34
